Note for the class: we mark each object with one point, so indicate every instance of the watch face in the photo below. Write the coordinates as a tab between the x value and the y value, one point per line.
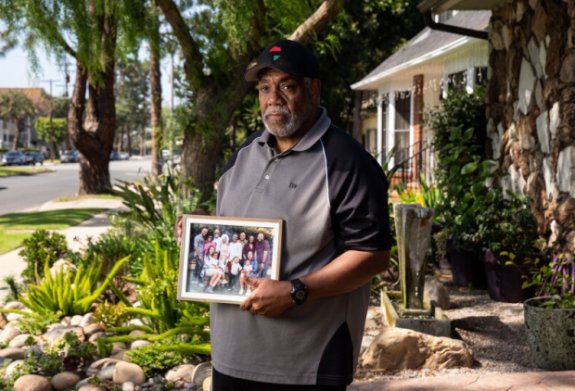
300	295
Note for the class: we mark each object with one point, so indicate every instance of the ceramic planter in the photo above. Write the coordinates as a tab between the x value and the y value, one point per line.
551	335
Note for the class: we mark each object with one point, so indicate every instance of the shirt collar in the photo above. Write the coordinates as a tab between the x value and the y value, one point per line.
309	139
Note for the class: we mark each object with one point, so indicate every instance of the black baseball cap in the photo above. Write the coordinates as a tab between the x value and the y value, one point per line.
288	56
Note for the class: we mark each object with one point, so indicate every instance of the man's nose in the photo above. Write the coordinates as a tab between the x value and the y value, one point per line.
275	96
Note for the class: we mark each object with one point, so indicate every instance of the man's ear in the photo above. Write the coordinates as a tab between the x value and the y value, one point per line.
315	89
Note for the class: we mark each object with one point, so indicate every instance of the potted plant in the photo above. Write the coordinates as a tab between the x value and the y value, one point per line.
550	316
461	171
507	232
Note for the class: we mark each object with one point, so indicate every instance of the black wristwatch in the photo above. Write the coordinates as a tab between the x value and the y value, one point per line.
298	291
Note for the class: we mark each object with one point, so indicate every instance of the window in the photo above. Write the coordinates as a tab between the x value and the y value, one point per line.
457	81
445	16
370	140
481	76
402	125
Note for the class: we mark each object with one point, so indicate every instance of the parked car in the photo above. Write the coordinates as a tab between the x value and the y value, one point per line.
70	156
33	157
116	155
13	158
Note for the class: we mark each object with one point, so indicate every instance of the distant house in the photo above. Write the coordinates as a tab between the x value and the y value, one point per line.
413	80
28	137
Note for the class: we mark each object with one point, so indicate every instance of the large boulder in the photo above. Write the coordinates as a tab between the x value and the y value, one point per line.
398	349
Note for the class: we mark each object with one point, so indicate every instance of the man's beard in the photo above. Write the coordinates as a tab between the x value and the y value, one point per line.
287	130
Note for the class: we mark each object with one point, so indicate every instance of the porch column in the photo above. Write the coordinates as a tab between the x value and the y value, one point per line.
417	125
380	142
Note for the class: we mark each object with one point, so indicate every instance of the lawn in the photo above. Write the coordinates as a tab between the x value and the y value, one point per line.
15	227
11	171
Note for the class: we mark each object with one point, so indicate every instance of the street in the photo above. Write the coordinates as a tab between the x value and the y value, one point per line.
21	193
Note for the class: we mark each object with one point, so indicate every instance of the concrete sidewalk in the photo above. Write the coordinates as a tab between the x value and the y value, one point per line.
517	381
12	264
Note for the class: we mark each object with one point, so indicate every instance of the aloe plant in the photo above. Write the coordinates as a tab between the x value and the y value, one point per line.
68	292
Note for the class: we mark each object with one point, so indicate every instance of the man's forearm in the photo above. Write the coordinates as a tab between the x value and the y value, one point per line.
347	272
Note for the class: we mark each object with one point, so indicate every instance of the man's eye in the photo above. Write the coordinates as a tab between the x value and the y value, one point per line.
287	87
264	88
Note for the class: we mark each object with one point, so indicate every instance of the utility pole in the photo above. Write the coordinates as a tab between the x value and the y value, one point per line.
51	131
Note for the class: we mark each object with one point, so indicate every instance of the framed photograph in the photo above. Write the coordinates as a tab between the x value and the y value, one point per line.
218	254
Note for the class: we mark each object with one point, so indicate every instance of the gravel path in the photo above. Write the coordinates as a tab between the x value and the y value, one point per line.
493	330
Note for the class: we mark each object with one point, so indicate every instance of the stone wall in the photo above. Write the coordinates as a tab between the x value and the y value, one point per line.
531	108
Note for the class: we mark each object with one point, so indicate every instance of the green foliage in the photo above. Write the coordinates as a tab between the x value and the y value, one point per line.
35	323
154	205
69	354
67	292
111	315
113	246
51	130
154	360
554	280
157	293
41	248
427	195
462	170
505	223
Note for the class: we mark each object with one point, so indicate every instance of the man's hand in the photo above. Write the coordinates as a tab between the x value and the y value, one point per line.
269	298
179	230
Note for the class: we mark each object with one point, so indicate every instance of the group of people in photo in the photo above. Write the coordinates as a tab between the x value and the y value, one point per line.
224	262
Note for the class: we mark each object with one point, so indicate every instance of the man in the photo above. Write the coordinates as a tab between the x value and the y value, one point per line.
236	247
262	254
304	331
199	241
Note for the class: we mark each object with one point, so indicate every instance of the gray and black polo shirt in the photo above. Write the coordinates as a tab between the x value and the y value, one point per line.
332	196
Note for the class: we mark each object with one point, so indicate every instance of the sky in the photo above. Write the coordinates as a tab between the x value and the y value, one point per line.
15	71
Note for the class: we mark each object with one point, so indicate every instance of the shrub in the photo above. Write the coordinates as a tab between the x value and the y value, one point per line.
42	247
154	359
67	292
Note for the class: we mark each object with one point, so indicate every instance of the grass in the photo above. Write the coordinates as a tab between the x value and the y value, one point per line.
11	171
27	222
11	240
70	198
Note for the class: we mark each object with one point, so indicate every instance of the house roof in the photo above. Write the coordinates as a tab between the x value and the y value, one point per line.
37	95
425	46
445	5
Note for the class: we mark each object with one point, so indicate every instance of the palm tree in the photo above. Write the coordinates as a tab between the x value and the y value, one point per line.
15	106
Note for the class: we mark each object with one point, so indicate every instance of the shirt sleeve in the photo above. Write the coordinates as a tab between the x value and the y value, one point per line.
358	198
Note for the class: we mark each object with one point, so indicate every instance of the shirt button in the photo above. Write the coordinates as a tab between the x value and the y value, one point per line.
267	177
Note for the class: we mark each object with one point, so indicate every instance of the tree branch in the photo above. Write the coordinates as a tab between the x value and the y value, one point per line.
190	49
317	21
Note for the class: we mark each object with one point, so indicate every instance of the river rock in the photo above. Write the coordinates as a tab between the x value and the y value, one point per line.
32	383
19	341
399	349
139	343
97	366
128	372
9	333
12	367
12	354
182	372
93	328
65	381
54	336
200	373
207	384
87	319
76	320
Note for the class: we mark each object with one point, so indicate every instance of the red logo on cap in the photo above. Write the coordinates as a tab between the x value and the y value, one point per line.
275	49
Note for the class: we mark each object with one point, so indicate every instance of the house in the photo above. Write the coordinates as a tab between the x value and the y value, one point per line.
531	103
28	136
413	80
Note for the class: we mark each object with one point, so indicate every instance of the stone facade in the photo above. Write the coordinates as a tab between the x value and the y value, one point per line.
531	108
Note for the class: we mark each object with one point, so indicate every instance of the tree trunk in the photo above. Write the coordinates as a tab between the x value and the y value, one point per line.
91	127
156	104
17	131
